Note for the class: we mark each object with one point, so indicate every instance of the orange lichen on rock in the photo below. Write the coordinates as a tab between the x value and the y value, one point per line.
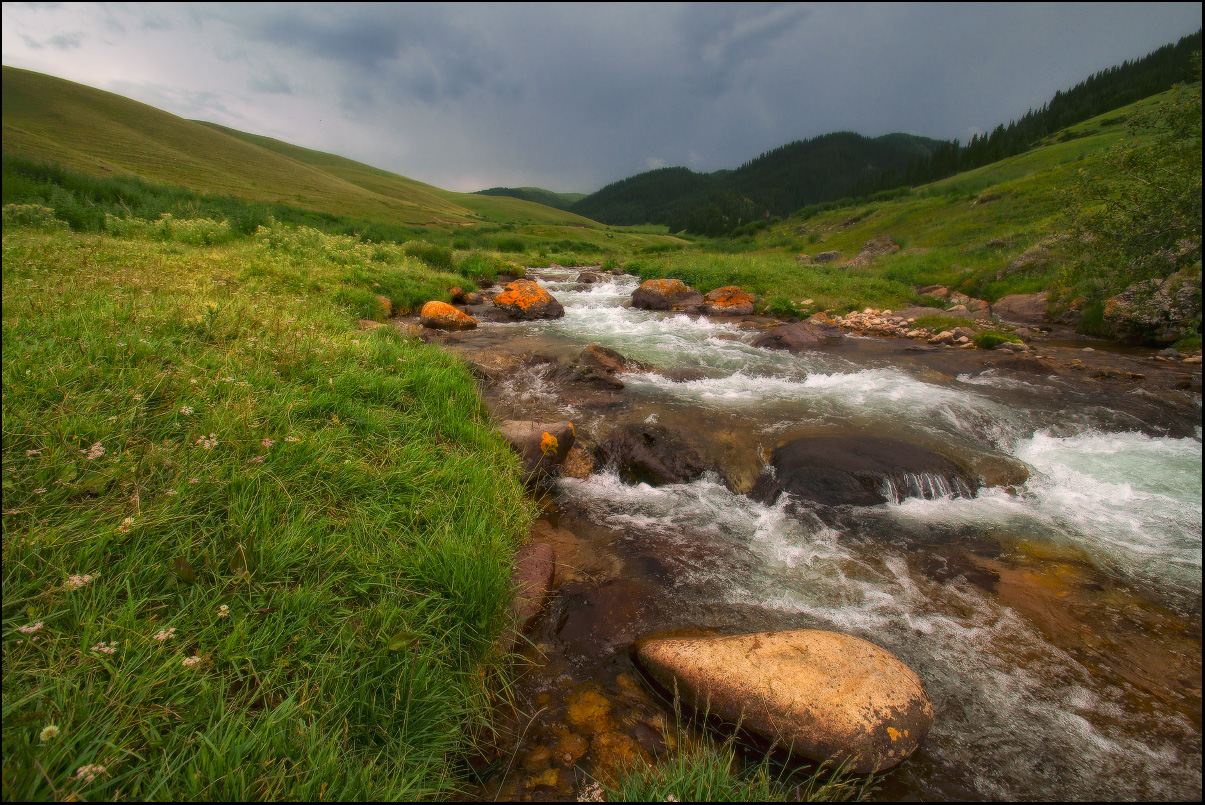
442	316
728	301
524	299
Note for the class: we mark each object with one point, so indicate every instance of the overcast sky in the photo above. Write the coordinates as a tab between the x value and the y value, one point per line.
573	97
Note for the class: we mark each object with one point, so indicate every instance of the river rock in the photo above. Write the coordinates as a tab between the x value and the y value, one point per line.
825	696
608	360
727	301
1022	308
798	336
648	454
442	316
665	294
541	446
588	277
1156	312
859	471
525	300
531	581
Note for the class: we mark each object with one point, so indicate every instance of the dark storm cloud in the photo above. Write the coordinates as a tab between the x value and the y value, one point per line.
572	97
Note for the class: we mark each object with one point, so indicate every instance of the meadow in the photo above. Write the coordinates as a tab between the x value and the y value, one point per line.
251	551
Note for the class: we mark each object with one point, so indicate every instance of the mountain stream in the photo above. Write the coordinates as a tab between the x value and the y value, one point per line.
1056	624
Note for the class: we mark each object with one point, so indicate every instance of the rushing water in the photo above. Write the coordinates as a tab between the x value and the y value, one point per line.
1056	624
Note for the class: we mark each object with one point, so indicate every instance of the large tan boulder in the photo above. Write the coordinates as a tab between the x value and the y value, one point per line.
524	300
1022	308
442	316
825	696
666	294
727	301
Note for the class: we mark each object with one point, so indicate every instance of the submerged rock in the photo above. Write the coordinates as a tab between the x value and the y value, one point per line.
649	454
859	471
798	336
823	695
541	446
531	580
666	294
525	300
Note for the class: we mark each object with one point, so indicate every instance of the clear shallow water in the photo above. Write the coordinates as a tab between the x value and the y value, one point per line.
1056	625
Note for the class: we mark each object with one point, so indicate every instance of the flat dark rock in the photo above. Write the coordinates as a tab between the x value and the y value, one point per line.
649	454
858	471
799	336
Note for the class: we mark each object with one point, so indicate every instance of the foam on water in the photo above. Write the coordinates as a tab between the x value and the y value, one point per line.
1001	690
1132	502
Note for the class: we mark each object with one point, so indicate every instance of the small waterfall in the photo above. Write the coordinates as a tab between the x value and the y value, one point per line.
927	485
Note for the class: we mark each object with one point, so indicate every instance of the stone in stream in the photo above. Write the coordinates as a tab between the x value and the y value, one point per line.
541	446
798	336
666	294
442	316
531	581
823	695
525	300
649	454
859	471
727	301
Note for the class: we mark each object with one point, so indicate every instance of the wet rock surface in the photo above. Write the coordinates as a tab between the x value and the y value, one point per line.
666	294
859	471
826	696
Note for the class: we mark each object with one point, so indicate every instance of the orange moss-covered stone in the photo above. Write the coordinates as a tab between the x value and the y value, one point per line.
442	316
728	301
665	294
525	300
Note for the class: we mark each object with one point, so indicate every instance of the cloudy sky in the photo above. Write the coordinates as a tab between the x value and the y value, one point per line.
572	97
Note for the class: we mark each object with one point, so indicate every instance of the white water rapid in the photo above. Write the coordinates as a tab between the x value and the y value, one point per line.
1056	623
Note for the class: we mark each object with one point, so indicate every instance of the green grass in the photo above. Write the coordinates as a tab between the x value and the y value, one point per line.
323	516
700	769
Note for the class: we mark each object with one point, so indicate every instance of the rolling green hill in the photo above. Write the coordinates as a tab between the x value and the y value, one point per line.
560	201
101	133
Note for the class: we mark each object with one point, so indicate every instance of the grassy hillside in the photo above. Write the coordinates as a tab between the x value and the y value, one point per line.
101	133
964	231
561	201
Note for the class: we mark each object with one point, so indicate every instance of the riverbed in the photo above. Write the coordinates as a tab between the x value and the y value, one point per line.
1055	622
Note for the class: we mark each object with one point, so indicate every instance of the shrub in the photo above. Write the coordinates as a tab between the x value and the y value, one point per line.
782	308
33	216
435	256
510	244
990	339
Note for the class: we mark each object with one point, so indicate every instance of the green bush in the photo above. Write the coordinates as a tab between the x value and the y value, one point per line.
510	244
435	256
782	308
990	339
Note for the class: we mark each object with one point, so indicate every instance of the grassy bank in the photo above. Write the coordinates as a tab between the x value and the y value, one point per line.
249	550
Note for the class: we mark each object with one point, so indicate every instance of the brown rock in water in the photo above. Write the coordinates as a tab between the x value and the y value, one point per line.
541	446
859	471
798	336
588	277
531	581
608	360
612	752
666	294
727	301
650	454
525	300
825	696
578	464
442	316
